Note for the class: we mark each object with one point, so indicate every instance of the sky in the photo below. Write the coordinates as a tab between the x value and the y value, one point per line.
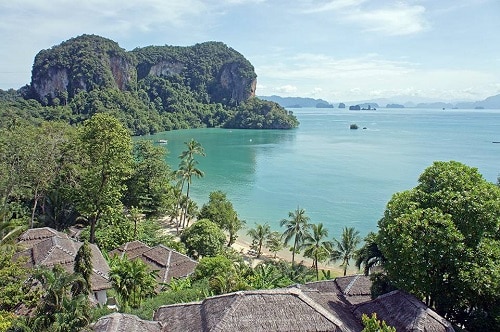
336	50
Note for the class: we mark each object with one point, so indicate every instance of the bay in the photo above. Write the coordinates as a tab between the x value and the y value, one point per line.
341	177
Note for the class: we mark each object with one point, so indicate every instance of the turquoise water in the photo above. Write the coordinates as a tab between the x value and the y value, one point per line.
341	177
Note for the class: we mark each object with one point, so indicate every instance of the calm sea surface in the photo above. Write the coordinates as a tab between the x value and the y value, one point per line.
341	177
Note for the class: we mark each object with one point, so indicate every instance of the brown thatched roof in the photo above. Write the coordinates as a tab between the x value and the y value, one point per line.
263	310
35	235
122	322
131	249
62	250
353	289
404	312
168	262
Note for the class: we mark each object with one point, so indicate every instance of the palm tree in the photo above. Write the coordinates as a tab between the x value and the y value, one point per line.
369	254
269	276
132	280
316	246
57	305
193	148
186	171
297	228
346	247
259	234
274	243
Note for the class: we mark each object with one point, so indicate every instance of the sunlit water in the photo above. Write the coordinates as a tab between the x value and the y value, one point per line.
341	177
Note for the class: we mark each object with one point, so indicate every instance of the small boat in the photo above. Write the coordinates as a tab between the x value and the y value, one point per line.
162	141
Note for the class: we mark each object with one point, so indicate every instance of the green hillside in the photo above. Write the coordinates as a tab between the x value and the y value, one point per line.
149	89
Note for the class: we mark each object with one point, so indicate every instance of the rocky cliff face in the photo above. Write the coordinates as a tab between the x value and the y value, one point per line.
81	64
239	88
89	62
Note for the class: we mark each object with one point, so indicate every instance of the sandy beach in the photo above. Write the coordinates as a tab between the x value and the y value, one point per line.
243	246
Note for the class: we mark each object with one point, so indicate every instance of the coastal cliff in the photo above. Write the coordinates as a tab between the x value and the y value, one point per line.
212	70
153	88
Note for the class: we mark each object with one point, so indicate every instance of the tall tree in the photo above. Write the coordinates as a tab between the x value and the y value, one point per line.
83	266
221	211
149	187
193	148
47	157
187	171
442	244
316	245
108	149
297	228
345	248
259	235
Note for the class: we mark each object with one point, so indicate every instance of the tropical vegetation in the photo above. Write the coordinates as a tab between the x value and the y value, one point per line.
150	89
438	241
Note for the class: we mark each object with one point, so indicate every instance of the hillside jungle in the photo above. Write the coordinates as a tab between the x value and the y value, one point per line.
150	89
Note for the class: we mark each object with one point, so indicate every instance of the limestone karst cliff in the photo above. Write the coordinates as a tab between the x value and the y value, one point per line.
212	70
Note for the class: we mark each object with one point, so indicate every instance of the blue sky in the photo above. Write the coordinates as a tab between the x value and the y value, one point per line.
337	50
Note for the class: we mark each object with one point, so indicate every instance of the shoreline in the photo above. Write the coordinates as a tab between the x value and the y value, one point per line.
243	246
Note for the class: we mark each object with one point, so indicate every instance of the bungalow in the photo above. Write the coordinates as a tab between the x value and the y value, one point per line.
168	262
332	305
48	247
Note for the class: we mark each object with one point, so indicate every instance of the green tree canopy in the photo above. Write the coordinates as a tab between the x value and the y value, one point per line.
132	280
203	238
149	187
442	244
221	211
83	266
108	151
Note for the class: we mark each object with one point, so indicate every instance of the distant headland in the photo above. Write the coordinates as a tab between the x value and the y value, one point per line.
492	102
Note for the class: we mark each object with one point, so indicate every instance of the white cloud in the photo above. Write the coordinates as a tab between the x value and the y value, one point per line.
286	89
371	76
401	19
333	5
375	16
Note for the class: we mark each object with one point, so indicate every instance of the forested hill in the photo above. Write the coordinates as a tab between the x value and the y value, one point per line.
149	89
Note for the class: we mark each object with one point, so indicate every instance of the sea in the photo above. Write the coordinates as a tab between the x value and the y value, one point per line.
340	176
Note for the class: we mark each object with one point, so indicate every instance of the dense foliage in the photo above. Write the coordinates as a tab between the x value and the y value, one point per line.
150	89
441	242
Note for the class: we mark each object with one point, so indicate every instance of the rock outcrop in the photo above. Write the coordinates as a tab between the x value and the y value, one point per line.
212	70
81	64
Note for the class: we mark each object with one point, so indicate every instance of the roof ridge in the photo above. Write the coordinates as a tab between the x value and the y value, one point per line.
316	306
175	251
47	254
167	268
231	308
349	286
419	321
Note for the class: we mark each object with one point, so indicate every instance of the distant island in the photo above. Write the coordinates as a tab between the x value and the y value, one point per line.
492	102
364	107
395	106
297	102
